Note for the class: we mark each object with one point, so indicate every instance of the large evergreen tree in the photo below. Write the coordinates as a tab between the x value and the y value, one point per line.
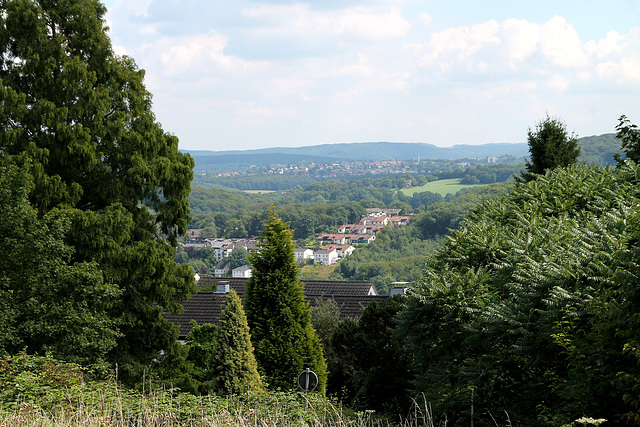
550	146
48	303
278	315
78	118
237	368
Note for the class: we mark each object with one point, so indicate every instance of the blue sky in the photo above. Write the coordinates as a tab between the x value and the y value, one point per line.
248	74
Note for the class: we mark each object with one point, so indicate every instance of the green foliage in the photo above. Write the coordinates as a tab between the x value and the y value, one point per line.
531	304
599	150
238	258
44	391
279	318
237	368
368	365
629	135
550	146
203	352
49	302
325	317
79	119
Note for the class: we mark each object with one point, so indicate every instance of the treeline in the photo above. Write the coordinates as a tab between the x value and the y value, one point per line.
322	206
254	181
259	180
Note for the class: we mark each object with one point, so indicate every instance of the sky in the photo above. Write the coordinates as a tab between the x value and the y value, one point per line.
248	74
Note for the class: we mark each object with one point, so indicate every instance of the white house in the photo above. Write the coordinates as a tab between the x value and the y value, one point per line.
303	254
243	271
222	269
325	256
343	251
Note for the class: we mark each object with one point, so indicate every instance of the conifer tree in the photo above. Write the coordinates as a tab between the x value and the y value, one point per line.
237	368
550	146
78	118
278	315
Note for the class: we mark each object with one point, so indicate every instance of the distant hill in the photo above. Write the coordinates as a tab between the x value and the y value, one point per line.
595	150
366	151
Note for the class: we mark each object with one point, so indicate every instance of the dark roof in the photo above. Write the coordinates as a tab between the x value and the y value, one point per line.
205	306
315	287
337	287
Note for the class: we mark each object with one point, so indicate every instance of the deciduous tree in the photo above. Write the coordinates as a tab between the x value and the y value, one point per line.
629	135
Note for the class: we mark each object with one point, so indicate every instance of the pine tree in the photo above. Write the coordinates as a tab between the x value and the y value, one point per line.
237	368
278	315
550	146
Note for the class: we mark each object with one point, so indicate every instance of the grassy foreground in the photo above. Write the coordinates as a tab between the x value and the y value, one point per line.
40	391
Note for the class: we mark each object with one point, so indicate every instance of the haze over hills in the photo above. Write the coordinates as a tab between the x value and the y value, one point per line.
366	151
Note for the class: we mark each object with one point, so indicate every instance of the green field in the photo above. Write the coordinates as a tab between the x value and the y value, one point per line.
442	186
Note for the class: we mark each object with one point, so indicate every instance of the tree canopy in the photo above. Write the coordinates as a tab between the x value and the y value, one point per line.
531	305
78	119
550	146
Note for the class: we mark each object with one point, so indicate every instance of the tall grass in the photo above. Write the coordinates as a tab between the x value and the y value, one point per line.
40	391
272	409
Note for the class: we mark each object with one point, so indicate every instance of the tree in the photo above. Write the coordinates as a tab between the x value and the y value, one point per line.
203	344
369	368
532	304
238	258
79	119
550	146
629	134
36	269
278	315
237	368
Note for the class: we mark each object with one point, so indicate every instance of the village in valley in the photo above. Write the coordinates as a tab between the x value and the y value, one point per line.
330	248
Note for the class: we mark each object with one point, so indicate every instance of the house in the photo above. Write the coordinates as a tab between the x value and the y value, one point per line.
338	239
362	239
351	297
325	256
343	251
380	212
399	220
222	269
382	220
194	233
303	254
224	247
242	271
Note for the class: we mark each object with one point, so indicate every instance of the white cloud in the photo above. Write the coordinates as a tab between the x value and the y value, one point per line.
371	24
561	45
291	72
426	19
202	53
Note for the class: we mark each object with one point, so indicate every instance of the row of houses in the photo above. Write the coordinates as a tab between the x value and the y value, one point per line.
327	255
223	247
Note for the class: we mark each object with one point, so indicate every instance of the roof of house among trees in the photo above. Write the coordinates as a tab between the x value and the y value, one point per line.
351	297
